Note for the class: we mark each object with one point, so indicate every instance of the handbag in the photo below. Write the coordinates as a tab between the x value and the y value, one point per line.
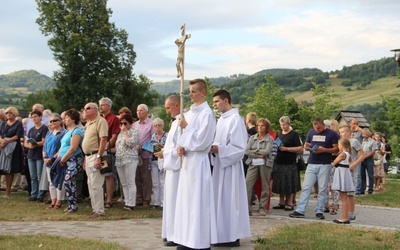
106	164
301	165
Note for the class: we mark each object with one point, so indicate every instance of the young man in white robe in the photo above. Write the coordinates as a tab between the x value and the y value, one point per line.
229	183
172	170
195	225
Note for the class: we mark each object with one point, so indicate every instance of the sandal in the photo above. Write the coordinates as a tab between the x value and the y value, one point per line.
128	208
70	211
326	210
57	206
280	206
108	205
289	208
334	210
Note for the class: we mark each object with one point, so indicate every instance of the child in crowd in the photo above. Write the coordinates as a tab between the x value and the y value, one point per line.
342	180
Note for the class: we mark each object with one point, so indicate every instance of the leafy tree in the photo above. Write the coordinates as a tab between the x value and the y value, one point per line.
325	105
94	56
393	112
270	102
46	98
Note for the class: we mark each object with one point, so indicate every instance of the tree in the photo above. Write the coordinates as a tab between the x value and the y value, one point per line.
46	98
325	105
94	56
270	102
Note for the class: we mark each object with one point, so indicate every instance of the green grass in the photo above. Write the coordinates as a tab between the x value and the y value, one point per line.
17	208
328	236
386	86
389	197
332	236
46	242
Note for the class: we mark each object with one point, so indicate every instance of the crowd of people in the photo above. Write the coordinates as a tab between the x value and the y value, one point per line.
201	173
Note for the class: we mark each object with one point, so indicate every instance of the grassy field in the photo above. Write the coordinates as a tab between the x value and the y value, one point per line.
332	236
328	236
17	208
304	236
371	94
46	242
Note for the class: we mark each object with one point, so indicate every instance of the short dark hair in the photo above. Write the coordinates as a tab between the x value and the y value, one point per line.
318	120
128	118
74	115
36	112
223	94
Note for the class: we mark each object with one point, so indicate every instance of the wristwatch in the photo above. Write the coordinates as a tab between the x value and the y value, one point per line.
98	156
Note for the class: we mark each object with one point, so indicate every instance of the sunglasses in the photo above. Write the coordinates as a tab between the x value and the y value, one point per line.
87	108
54	121
124	123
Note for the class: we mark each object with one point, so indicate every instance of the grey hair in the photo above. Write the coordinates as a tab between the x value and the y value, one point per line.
158	121
57	115
144	106
284	119
106	100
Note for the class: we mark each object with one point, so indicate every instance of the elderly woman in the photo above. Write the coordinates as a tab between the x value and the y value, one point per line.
51	146
157	176
126	159
260	162
11	132
71	158
34	144
286	182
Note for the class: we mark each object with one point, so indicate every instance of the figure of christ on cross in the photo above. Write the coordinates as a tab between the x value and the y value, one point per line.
180	42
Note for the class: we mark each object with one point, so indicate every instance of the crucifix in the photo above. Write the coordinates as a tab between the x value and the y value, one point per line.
180	61
180	67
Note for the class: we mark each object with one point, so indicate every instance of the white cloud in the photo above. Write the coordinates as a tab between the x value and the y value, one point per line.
228	36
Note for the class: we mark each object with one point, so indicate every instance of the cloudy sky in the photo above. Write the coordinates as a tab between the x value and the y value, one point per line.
227	36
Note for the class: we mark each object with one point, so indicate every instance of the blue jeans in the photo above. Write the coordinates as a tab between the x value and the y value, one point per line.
368	165
315	172
35	170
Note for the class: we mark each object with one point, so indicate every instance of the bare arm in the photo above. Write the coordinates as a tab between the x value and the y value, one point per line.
361	157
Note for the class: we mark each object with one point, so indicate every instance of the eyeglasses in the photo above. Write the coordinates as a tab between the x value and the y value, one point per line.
34	116
9	113
124	123
87	108
54	121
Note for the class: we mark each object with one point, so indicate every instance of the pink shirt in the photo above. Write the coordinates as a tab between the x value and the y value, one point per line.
146	129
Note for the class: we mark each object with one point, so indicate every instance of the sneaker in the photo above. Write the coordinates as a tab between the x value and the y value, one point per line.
296	214
352	217
320	216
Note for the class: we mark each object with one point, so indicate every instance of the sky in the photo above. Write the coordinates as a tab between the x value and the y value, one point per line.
227	36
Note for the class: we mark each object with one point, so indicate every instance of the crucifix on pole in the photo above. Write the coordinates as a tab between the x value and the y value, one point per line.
180	61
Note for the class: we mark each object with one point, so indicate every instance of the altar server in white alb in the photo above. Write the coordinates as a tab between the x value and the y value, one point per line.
195	211
172	170
230	193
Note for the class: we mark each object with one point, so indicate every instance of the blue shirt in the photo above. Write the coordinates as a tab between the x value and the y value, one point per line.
52	142
324	139
66	141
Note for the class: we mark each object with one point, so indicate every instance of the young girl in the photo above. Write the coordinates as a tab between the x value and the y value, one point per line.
342	180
